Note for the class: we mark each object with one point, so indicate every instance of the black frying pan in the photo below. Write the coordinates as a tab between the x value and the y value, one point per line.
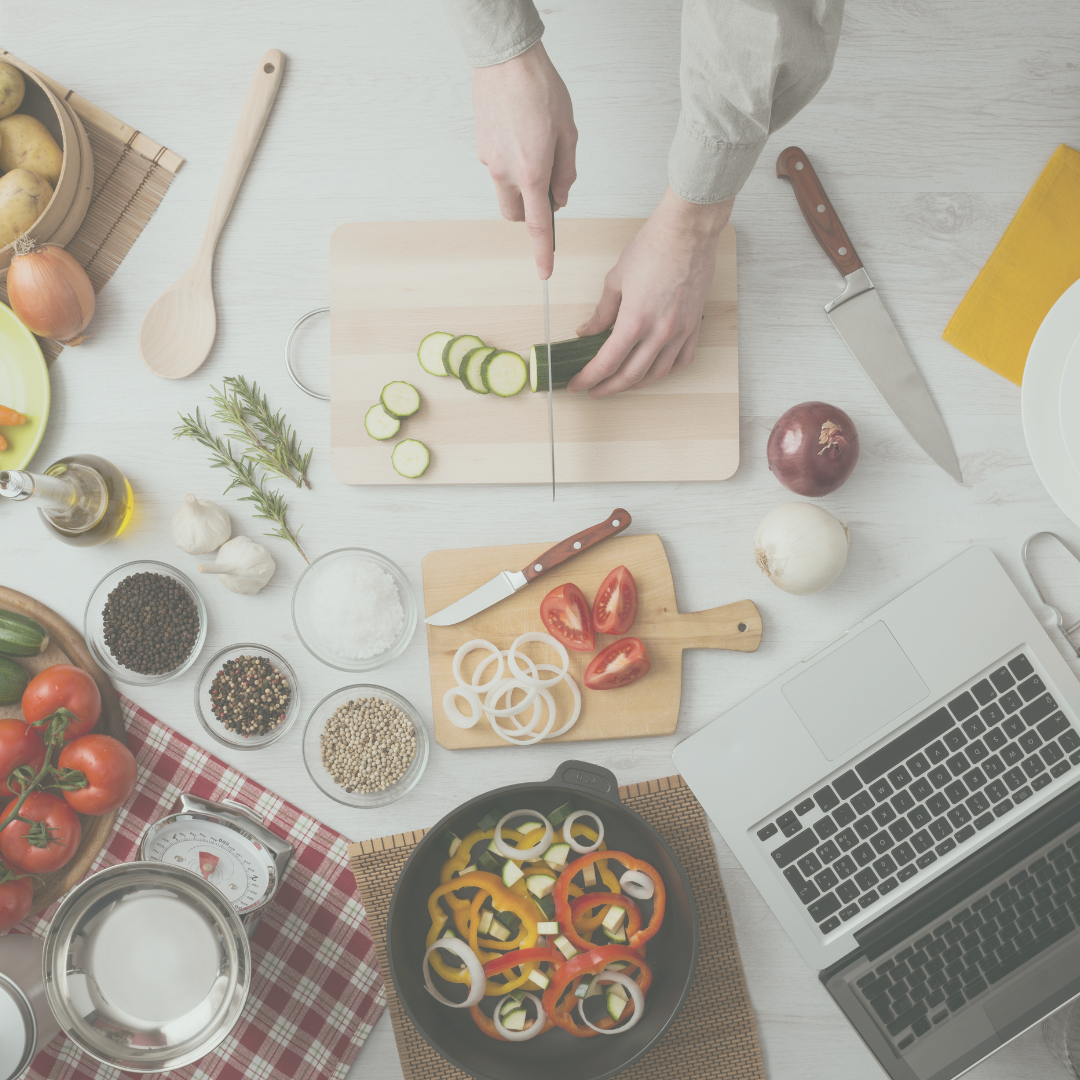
671	954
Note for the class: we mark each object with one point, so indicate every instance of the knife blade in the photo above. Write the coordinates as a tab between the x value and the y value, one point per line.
862	321
508	582
547	334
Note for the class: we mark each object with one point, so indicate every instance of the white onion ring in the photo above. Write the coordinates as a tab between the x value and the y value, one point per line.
529	1032
505	689
454	714
547	639
468	647
477	978
637	885
568	836
636	996
527	854
494	694
577	699
518	737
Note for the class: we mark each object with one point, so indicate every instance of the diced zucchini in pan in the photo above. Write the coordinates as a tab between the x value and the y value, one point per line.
588	875
400	399
529	826
490	863
615	1004
560	814
556	856
410	458
542	884
565	946
499	931
456	350
504	373
613	919
616	936
515	1021
467	870
548	928
567	359
491	818
485	921
539	978
469	372
450	842
379	424
546	906
509	920
430	353
511	872
585	986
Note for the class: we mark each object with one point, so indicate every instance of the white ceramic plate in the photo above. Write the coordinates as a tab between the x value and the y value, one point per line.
1039	397
1069	404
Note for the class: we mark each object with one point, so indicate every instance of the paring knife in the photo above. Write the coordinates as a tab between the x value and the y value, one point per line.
864	324
547	334
508	582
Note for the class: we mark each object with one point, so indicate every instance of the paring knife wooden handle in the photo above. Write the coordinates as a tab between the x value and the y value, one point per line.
794	165
616	521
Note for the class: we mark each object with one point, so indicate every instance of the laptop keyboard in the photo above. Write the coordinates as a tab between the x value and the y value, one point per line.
930	790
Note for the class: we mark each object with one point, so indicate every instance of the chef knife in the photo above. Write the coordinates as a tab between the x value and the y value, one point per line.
547	334
864	324
508	582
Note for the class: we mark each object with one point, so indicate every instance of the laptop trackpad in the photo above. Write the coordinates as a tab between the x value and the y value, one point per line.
856	689
1020	1004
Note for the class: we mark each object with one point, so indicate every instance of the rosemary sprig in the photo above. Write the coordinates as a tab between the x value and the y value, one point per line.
266	436
269	505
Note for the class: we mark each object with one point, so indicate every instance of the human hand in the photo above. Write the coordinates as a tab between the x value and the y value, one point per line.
654	296
525	135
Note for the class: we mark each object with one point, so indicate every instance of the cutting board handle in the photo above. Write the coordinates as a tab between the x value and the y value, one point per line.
734	626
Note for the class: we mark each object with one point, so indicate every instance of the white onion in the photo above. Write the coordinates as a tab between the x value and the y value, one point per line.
477	978
454	714
568	836
511	710
528	854
547	639
801	547
636	996
523	736
637	885
529	1032
470	646
505	689
577	700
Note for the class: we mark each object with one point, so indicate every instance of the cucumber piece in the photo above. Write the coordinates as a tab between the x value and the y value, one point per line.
565	946
499	931
430	353
410	458
20	636
556	856
509	920
588	875
546	906
469	372
560	814
511	872
456	350
616	936
515	1021
504	373
491	818
567	359
400	399
485	921
488	862
548	929
615	1005
613	919
542	884
450	842
539	978
379	424
13	680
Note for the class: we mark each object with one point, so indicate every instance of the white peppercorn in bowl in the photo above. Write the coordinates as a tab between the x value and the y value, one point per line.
204	701
354	711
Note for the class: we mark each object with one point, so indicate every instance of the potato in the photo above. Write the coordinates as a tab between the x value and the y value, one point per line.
12	88
25	143
23	198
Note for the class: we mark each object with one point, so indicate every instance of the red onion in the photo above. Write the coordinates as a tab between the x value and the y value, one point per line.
812	448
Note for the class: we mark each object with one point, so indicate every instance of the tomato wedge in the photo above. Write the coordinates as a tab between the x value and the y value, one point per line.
621	663
615	606
565	613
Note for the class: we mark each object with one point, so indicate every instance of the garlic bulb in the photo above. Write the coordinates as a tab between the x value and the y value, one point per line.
199	527
242	566
801	547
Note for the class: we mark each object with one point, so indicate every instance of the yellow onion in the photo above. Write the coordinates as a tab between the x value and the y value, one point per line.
50	292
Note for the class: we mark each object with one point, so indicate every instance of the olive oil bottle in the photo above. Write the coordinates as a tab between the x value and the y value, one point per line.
84	500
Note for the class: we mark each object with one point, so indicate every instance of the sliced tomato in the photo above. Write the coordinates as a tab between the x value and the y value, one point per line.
615	606
565	613
621	663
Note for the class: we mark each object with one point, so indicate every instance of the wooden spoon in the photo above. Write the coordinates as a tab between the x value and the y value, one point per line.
178	330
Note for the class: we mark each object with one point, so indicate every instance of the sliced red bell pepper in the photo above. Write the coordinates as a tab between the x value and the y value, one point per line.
587	963
583	904
523	956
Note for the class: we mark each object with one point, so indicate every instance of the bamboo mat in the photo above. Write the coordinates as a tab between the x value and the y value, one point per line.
131	175
714	1037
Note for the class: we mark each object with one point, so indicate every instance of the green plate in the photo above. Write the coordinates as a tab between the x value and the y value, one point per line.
24	385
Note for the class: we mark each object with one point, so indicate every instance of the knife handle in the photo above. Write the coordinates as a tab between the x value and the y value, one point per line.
616	521
794	165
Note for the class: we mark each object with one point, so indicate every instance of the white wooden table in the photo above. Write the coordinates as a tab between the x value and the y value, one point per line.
937	120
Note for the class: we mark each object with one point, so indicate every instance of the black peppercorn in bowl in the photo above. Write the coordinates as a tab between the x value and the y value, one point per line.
145	623
247	696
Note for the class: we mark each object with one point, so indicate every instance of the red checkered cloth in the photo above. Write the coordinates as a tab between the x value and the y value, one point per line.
315	985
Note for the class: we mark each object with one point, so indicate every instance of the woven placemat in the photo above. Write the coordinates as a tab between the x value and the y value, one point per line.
131	175
714	1037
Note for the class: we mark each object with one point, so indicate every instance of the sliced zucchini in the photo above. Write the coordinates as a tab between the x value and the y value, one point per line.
379	424
529	826
469	372
467	870
410	458
511	872
615	1004
450	842
549	929
430	353
400	399
504	373
588	875
567	359
539	978
455	351
616	936
491	818
565	946
485	921
509	920
448	932
560	814
541	884
556	856
613	919
499	931
585	986
617	965
515	1021
546	906
490	863
515	997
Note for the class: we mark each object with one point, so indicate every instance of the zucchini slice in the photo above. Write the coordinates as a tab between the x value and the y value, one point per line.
455	350
504	373
379	424
567	359
410	458
400	399
469	372
430	353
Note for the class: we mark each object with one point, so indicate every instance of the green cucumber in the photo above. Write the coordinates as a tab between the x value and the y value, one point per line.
379	424
430	353
410	458
567	359
504	373
560	814
13	680
400	399
469	372
20	636
491	818
456	350
450	842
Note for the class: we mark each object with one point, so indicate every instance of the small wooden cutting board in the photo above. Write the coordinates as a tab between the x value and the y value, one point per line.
648	707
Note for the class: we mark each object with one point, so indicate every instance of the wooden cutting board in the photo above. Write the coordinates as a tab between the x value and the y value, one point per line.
392	283
649	706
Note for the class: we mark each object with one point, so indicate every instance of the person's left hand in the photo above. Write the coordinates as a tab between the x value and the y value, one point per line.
654	296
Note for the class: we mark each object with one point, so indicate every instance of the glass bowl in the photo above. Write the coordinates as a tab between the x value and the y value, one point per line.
313	752
203	704
320	572
94	628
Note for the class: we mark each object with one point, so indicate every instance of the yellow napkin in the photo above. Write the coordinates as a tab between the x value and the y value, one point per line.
1036	260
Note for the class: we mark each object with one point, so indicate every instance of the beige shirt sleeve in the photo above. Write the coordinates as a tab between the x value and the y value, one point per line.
494	31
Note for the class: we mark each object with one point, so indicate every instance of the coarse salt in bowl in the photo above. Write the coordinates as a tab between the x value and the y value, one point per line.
354	609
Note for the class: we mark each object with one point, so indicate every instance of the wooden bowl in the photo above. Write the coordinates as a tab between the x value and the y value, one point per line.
66	646
61	219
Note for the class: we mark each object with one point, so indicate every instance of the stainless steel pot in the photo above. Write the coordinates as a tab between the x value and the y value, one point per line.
26	1023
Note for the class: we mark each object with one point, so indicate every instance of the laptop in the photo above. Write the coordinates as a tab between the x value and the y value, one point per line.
906	801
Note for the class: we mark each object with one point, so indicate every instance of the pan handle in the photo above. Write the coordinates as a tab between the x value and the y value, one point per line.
584	776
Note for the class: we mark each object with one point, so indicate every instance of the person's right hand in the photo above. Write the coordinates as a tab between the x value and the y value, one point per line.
525	135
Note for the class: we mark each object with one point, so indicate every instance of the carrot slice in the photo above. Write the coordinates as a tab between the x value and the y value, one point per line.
3	443
11	418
